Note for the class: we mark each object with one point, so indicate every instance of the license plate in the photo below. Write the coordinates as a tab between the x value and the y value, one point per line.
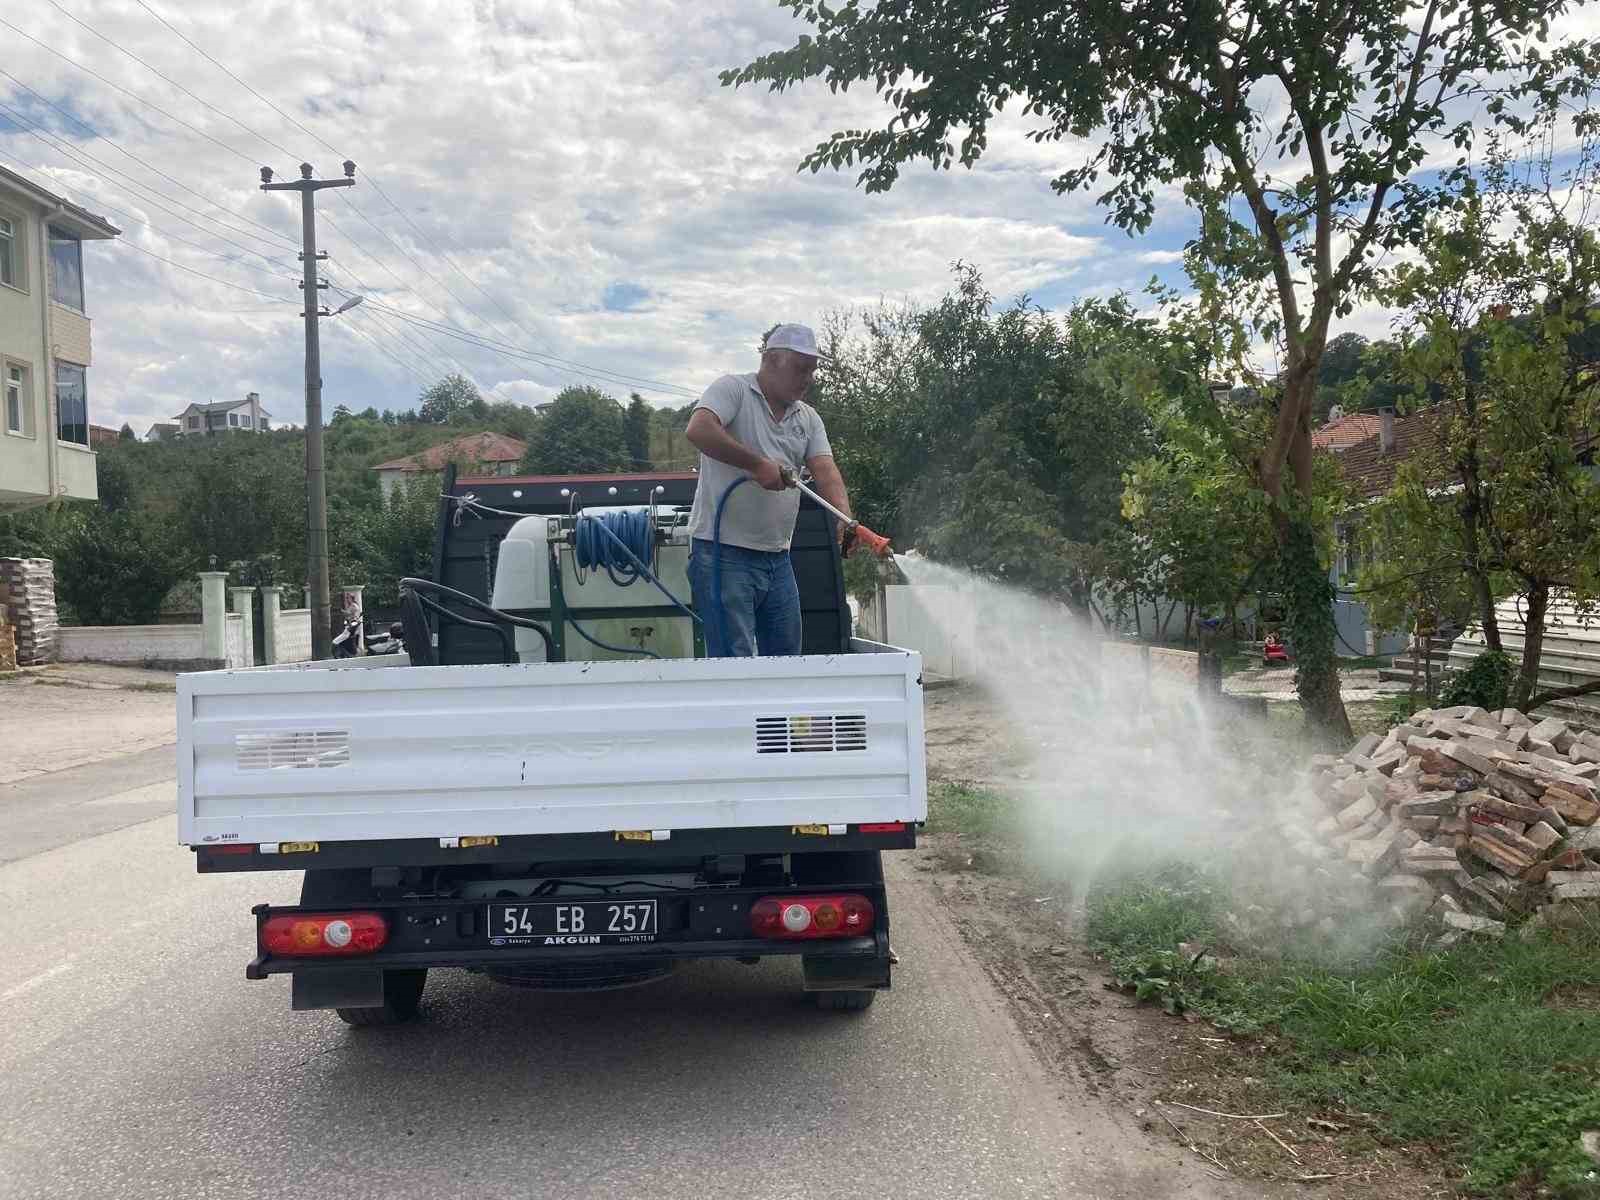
573	923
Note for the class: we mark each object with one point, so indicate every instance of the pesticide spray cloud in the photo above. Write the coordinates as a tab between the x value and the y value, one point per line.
1115	764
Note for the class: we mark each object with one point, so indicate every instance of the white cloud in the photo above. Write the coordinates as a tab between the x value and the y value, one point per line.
553	156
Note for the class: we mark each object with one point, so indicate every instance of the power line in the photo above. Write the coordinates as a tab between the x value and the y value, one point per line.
371	178
563	366
161	75
74	156
235	286
404	366
93	132
193	46
133	95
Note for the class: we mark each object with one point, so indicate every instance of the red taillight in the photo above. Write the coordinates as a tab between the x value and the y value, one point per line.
811	916
234	848
883	827
302	936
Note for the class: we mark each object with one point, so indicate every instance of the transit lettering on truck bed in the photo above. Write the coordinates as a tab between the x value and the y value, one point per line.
575	923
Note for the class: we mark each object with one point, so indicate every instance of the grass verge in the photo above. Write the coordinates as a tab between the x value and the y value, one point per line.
966	809
1489	1052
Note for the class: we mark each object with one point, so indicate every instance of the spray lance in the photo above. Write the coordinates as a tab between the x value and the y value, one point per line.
853	528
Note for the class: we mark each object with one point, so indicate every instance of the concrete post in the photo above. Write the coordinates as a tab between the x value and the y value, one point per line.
271	606
213	615
243	602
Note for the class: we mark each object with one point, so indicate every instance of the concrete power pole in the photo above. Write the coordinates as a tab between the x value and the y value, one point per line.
316	483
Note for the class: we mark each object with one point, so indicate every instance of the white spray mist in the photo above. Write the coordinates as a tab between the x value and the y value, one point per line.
1126	767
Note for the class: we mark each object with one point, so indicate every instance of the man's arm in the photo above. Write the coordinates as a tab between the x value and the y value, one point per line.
706	434
830	484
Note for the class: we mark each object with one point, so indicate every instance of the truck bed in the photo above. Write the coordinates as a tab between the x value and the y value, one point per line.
374	749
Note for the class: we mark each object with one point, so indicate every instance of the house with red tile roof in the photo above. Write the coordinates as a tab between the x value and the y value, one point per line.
474	453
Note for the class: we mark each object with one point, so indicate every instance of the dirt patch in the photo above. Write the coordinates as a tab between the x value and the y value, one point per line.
1026	931
1575	997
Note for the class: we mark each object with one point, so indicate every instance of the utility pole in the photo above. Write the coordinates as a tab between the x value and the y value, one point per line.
316	483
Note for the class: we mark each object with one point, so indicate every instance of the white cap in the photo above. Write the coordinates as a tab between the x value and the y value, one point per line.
798	338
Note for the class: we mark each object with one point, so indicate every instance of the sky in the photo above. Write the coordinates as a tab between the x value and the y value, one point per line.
566	179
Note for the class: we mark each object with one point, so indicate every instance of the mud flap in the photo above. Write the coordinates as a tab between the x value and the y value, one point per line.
339	987
844	974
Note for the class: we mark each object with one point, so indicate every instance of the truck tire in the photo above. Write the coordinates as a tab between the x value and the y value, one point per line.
402	994
850	1001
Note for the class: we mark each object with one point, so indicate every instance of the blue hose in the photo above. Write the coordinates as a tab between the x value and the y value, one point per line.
716	560
632	533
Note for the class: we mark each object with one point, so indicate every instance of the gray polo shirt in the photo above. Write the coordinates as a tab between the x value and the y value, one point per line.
754	517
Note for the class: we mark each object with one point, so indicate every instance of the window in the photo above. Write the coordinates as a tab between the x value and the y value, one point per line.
9	273
66	269
262	424
233	419
72	403
19	399
245	420
194	422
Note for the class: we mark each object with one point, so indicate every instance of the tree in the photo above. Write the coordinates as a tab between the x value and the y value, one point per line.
126	433
390	541
1517	400
1312	117
449	399
637	432
583	430
115	568
995	439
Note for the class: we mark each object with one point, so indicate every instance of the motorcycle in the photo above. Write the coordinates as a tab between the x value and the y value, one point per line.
348	643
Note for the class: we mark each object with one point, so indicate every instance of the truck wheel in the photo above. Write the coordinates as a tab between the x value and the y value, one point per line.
402	993
844	1001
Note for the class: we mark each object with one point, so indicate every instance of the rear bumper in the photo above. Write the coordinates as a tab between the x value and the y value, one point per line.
693	925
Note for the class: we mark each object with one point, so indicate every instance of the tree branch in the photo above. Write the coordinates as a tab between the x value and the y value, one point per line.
1363	238
1566	693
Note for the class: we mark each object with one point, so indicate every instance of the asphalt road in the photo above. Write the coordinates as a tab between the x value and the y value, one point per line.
137	1061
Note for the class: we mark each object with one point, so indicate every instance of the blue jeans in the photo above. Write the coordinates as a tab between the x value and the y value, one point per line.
760	601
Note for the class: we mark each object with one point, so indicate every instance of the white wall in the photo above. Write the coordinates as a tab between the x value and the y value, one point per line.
131	643
294	635
948	643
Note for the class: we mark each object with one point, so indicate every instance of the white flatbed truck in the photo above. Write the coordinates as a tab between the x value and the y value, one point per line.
548	812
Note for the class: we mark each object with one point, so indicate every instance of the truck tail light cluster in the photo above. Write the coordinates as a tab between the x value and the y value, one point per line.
299	935
812	916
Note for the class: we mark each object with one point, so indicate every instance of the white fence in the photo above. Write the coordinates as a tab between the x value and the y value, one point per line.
948	641
152	645
1569	656
293	640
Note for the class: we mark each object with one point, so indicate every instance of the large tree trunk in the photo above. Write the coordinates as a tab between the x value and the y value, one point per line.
1532	645
1309	595
1307	590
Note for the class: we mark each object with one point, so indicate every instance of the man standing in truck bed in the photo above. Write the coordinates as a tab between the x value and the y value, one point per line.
758	426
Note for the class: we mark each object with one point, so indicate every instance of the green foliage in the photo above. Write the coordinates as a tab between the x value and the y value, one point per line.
1302	163
1485	683
993	440
636	431
452	399
115	568
391	541
583	430
966	809
1516	402
1486	1051
239	497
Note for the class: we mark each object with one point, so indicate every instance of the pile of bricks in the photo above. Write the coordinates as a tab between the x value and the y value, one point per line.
1481	818
28	595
